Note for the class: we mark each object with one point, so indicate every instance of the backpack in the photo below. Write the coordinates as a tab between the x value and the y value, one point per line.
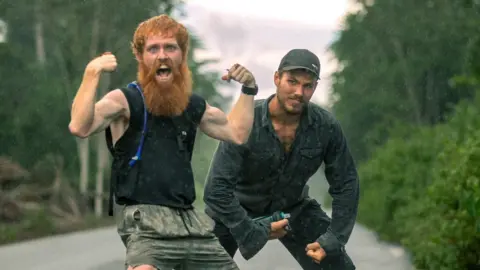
182	124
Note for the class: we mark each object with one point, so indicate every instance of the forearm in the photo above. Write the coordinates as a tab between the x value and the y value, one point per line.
241	117
344	209
344	212
83	107
342	177
223	206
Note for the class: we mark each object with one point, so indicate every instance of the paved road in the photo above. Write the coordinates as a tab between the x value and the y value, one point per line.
101	249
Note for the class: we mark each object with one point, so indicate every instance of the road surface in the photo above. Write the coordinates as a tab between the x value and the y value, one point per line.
101	249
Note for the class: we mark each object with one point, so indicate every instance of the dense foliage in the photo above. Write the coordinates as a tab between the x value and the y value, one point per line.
408	96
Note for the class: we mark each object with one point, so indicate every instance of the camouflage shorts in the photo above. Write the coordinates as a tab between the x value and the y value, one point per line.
168	238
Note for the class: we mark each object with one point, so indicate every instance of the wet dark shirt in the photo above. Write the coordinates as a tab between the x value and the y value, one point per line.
259	178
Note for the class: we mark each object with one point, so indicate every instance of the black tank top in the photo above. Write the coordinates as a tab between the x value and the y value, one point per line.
163	175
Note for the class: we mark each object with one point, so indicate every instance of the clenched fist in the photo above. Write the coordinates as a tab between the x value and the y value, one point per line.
316	252
240	74
105	62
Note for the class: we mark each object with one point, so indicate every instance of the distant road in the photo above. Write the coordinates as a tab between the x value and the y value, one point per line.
101	249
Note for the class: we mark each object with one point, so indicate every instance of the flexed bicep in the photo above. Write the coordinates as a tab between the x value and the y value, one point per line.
107	110
215	124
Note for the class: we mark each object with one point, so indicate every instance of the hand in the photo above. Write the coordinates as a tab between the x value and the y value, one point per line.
106	62
240	74
315	251
278	229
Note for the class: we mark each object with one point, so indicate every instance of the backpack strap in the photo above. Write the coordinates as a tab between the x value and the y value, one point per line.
108	138
138	153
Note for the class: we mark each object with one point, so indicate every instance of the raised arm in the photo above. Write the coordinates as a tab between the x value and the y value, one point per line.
88	117
237	125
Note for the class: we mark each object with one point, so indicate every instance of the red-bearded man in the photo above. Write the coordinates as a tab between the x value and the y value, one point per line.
151	126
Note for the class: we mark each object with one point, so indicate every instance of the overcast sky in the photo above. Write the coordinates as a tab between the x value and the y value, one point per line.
325	13
268	29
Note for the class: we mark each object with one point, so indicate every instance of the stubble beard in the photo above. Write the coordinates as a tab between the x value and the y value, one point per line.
287	110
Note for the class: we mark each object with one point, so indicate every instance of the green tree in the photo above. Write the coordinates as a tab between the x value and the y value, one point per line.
396	62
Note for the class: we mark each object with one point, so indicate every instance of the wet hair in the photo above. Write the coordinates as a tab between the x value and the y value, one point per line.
164	25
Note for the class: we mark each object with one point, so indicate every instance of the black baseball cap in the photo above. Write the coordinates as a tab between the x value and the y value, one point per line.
300	59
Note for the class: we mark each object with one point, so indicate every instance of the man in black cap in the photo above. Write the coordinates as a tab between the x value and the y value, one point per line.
267	176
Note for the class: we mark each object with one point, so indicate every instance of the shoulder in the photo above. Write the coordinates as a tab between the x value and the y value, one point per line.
259	103
320	115
130	100
258	107
116	98
116	95
196	99
197	107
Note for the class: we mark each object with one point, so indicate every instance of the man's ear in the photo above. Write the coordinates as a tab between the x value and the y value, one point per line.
276	78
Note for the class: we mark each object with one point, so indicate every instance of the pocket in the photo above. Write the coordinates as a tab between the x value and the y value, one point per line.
125	226
201	225
310	160
311	153
155	221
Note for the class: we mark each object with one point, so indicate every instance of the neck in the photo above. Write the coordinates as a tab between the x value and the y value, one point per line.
280	115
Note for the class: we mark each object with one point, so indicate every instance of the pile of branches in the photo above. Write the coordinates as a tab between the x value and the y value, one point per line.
44	188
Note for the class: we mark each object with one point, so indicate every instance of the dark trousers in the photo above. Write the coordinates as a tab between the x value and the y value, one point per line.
308	223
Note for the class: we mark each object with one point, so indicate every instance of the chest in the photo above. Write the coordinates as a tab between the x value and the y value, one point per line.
286	134
269	162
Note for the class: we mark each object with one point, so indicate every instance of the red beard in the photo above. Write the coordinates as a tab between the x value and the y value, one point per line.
166	98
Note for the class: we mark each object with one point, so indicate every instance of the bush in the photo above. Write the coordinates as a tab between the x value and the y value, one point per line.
422	189
397	174
36	223
442	229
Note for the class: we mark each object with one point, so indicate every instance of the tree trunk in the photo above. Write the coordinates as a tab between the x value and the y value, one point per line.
102	159
102	154
83	146
39	39
408	82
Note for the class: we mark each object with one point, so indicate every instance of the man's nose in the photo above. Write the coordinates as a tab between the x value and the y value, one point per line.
299	91
162	55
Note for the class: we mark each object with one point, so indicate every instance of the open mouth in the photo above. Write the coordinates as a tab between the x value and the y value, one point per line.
164	71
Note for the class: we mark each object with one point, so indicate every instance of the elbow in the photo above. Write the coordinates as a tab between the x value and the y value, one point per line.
214	197
209	199
239	141
77	131
240	137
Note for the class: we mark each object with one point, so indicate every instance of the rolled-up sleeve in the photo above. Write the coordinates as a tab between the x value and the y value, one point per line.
342	177
223	206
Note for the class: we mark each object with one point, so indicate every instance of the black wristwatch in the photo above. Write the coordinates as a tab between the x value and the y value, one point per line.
250	91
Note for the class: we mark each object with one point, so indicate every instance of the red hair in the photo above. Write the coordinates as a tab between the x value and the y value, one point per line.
164	25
